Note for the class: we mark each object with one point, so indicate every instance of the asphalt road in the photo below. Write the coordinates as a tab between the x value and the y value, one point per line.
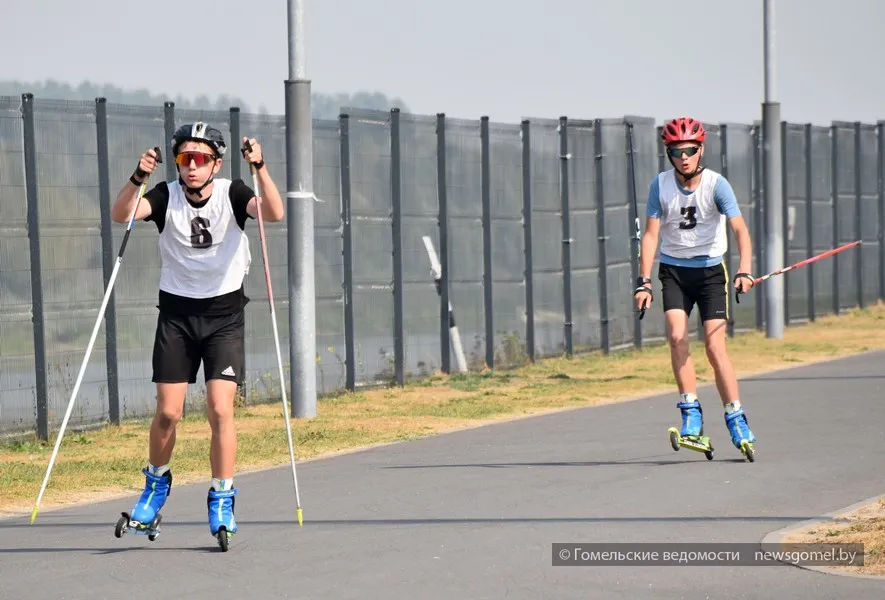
474	514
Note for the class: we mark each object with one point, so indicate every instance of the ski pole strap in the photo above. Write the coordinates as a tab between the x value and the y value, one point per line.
641	289
739	276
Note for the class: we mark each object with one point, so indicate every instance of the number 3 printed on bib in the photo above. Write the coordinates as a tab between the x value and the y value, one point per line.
689	217
200	236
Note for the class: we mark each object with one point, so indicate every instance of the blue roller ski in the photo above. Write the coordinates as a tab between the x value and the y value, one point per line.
741	436
145	517
222	524
691	435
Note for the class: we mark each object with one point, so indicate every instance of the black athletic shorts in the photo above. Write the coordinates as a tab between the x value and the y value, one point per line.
683	287
183	341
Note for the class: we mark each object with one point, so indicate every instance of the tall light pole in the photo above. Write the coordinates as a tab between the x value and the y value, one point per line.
299	208
773	190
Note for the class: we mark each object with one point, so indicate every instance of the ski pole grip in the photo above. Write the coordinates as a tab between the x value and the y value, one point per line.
159	154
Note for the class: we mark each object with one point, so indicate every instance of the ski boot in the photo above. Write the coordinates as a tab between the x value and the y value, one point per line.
741	436
145	516
222	524
691	435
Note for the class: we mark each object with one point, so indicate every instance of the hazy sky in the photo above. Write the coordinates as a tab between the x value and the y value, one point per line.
503	58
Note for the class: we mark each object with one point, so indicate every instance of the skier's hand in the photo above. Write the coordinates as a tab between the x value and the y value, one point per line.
252	152
146	165
643	297
743	283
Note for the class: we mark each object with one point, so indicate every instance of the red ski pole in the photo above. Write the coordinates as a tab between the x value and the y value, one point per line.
808	261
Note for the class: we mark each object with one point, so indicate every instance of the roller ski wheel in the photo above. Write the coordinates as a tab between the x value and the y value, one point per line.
125	524
697	443
223	536
748	451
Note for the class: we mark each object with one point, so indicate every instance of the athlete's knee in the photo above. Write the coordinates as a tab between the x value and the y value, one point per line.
220	402
170	404
678	340
716	352
167	417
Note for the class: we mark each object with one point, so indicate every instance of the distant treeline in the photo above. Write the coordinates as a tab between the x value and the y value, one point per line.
323	106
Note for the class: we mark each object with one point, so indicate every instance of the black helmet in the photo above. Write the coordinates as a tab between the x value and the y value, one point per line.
199	132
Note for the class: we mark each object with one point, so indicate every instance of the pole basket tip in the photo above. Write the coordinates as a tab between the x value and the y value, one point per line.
300	518
34	514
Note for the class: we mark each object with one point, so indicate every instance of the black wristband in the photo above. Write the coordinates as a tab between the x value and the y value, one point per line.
640	281
134	181
258	165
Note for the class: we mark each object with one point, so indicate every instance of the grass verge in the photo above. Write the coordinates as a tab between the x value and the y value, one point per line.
104	463
864	525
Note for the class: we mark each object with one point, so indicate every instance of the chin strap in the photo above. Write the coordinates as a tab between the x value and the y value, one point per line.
195	191
687	178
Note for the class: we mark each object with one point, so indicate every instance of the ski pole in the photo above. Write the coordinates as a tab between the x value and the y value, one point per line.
637	237
247	147
101	311
807	261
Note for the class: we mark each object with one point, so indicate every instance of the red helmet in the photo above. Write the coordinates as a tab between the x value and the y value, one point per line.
683	129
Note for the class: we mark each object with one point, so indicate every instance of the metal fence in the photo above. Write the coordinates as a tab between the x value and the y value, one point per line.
532	222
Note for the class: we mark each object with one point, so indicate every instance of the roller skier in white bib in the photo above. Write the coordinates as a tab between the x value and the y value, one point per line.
688	209
205	257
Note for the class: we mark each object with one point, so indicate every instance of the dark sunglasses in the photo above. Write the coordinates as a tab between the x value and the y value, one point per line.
198	158
677	152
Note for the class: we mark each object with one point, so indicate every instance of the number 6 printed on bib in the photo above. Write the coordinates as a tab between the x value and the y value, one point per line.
200	236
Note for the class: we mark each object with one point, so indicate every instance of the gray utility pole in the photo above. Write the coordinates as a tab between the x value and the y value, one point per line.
299	208
773	190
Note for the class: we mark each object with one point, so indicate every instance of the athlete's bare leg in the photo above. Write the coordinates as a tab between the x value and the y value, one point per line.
220	409
680	351
170	407
726	381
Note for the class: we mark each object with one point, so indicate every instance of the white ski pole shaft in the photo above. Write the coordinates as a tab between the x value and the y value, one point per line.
96	327
276	337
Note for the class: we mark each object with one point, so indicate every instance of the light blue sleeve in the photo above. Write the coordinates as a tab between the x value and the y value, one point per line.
653	207
725	199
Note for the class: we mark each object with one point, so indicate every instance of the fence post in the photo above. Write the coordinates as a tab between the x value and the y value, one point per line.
601	238
785	216
446	318
487	241
723	166
809	221
236	157
880	135
397	222
834	194
347	252
633	213
236	173
169	127
38	316
107	257
566	236
759	219
858	217
527	238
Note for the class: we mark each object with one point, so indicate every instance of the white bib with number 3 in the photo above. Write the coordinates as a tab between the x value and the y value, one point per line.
691	224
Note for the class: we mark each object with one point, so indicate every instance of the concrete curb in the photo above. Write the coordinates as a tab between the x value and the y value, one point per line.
778	536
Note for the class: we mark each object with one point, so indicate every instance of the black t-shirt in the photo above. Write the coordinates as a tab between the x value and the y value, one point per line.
240	195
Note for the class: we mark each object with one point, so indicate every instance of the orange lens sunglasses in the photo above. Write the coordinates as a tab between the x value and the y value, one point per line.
198	158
